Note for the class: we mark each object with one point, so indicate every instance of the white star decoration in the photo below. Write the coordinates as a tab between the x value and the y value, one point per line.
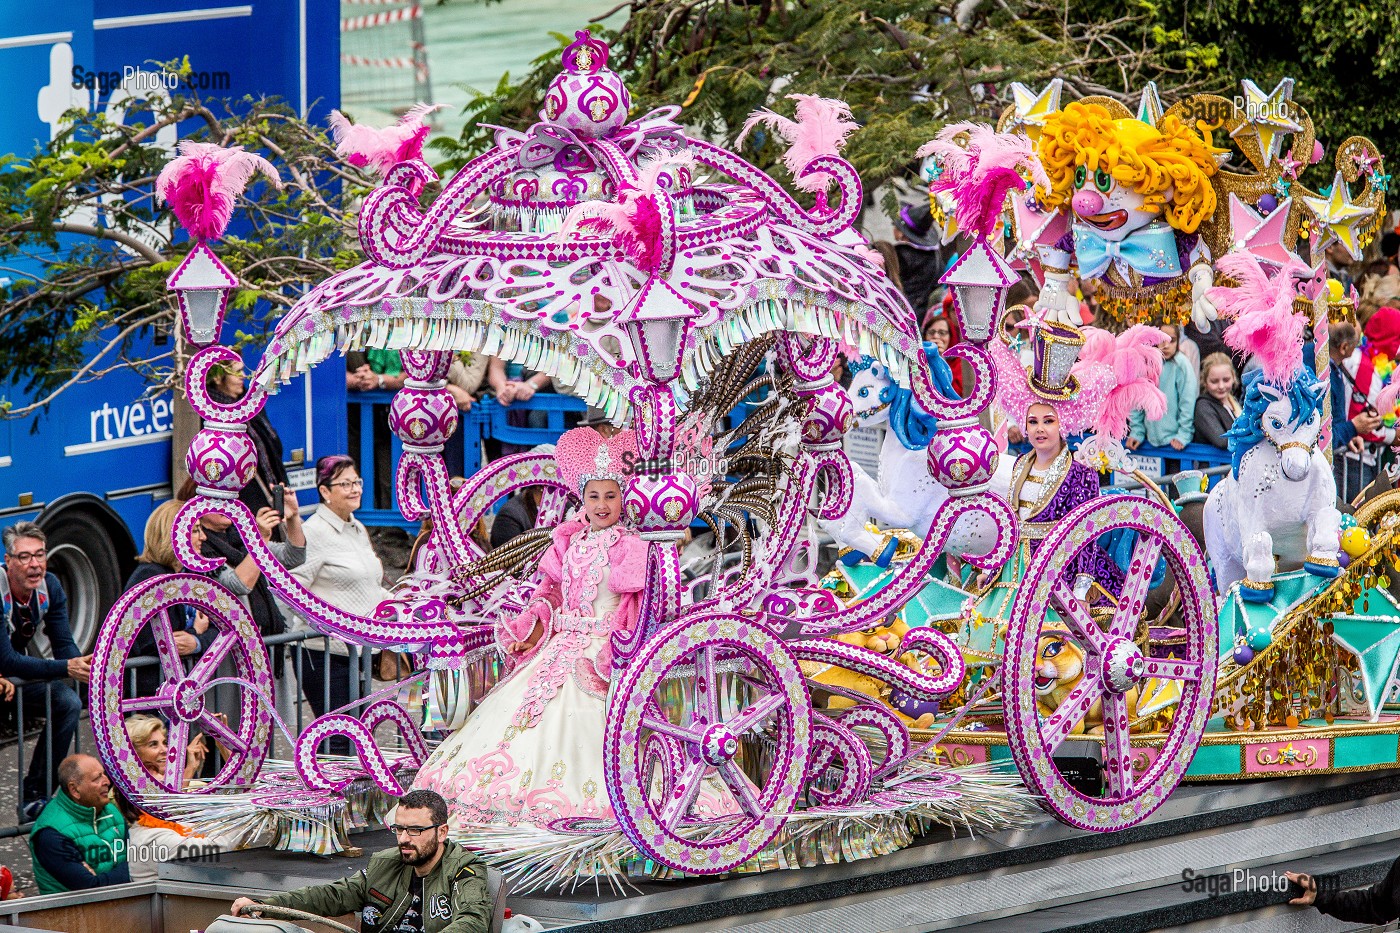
1031	109
1341	217
1267	116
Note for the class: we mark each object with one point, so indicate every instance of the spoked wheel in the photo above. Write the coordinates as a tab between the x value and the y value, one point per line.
180	699
659	813
1116	668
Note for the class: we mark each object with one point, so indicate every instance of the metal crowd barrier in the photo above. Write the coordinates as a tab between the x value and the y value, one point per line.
360	686
378	450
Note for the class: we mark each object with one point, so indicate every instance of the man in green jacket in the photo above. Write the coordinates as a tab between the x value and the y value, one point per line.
79	840
429	884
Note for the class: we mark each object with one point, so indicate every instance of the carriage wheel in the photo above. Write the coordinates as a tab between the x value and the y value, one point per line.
180	699
657	813
1114	663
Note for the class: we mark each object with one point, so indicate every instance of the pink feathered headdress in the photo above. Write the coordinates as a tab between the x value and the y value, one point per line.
634	219
1261	305
382	148
821	128
583	454
203	181
978	173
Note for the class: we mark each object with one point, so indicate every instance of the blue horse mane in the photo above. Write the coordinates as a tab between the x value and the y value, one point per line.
911	424
1304	394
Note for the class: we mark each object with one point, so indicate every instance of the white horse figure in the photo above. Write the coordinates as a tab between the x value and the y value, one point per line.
904	495
1280	497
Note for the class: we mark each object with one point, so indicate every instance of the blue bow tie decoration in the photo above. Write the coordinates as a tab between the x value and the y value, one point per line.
1150	251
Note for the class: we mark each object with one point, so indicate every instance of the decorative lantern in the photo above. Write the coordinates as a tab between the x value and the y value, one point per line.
657	322
202	284
980	280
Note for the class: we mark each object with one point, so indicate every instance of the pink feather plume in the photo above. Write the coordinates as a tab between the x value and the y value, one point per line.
379	148
821	128
979	173
1261	306
1385	403
634	219
1136	365
203	181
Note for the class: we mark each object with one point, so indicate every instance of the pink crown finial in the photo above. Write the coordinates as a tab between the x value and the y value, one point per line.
586	97
585	55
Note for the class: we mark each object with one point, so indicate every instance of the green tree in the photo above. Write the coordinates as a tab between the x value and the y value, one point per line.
907	67
87	249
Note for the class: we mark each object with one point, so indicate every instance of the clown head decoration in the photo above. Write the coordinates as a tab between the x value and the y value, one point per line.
1136	195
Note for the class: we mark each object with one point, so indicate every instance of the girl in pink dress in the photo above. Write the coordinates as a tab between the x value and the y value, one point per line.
532	752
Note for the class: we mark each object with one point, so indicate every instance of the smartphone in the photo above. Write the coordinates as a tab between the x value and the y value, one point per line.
279	498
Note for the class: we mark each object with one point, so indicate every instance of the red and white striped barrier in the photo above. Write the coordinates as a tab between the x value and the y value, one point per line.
363	62
388	17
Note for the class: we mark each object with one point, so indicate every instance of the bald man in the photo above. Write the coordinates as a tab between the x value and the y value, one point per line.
79	840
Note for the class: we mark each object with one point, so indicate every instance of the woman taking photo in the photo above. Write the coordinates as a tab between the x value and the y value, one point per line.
341	568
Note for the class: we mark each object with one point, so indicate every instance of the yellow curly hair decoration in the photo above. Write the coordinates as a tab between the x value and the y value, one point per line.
1150	160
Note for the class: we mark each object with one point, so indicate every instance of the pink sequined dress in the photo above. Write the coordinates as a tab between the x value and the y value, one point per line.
532	752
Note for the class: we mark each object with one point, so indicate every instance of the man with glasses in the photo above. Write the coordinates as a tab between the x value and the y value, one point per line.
31	601
428	884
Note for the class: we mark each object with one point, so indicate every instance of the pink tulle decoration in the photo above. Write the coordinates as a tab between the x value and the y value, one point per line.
633	220
203	181
583	454
379	148
979	173
1136	367
1261	306
821	128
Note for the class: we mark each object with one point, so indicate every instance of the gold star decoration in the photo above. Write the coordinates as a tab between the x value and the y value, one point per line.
1340	216
1030	109
1267	116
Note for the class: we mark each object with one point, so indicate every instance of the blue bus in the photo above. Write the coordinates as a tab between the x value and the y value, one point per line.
91	466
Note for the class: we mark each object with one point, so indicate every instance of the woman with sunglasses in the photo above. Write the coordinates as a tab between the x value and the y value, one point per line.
341	568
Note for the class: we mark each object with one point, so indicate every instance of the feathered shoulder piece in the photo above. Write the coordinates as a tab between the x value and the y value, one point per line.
1261	307
203	181
977	166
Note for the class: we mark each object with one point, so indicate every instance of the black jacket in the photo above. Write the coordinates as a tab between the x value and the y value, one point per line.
268	446
229	546
1212	421
516	517
148	678
1380	903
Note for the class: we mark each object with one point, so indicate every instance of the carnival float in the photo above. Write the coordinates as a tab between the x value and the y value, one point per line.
780	709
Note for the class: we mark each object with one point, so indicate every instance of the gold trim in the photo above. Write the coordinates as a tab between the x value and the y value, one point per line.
1288	756
1250	584
1056	473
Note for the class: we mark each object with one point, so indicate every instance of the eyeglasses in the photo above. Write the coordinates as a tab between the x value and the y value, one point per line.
413	832
29	557
349	484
